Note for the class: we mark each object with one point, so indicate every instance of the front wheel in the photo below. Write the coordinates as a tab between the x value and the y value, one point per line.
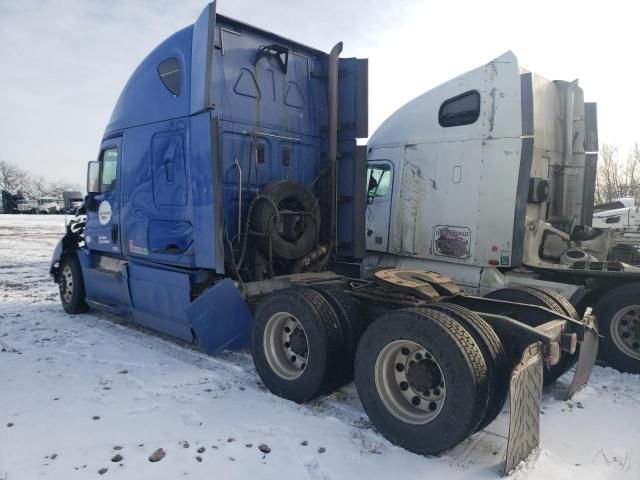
71	285
618	316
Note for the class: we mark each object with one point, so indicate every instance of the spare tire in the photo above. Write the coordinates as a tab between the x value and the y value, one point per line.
295	235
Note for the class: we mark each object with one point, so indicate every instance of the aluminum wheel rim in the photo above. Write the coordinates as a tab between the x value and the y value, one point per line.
410	382
286	345
625	331
66	284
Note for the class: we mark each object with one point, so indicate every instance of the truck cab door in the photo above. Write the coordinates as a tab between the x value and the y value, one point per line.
102	232
379	198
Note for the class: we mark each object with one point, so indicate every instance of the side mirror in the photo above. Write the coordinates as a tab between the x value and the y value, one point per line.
93	177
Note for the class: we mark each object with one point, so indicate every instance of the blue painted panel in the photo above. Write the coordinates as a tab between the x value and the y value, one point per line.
169	237
304	161
255	90
102	231
221	318
103	286
169	169
144	98
206	204
161	294
156	188
201	54
163	324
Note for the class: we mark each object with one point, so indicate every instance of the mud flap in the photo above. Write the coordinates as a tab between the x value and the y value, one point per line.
221	318
586	357
524	420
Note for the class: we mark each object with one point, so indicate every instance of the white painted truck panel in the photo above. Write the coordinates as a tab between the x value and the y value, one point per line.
454	187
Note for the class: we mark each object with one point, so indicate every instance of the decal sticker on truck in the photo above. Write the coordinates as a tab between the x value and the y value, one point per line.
138	250
104	212
451	241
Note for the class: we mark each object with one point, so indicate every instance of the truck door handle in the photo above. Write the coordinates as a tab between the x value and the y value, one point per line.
114	233
168	165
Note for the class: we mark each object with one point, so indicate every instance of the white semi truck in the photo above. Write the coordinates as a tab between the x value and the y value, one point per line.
47	205
620	221
622	213
489	179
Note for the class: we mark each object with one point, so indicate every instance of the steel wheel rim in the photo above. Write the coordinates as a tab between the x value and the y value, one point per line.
625	331
286	345
66	284
410	382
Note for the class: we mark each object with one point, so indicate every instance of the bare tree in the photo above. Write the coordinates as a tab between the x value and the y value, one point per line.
37	187
632	171
12	177
617	178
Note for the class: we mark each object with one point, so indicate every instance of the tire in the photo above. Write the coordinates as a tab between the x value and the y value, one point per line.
286	242
525	295
316	339
612	310
71	285
498	366
352	324
533	296
567	360
561	301
460	368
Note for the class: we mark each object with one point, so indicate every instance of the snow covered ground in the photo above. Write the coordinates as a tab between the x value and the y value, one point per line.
77	391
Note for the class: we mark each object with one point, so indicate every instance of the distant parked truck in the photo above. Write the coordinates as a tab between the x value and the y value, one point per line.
72	201
7	202
621	213
46	205
23	204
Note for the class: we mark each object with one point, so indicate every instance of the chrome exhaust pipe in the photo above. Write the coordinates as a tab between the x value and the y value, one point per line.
332	153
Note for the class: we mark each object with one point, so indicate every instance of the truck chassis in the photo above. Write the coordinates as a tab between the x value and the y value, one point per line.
432	364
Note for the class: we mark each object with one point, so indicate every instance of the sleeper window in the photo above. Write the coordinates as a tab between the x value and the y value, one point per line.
169	72
463	109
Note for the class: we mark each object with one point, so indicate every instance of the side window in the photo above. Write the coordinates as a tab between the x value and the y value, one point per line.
109	169
379	181
615	219
169	72
463	109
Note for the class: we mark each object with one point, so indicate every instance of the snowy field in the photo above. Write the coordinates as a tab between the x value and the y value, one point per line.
77	391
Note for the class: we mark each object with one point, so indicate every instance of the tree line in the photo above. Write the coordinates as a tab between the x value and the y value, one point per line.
617	177
15	179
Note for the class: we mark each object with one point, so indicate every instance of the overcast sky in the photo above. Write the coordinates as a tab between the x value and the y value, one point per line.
63	63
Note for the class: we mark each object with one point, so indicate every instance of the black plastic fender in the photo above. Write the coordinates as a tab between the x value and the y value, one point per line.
68	243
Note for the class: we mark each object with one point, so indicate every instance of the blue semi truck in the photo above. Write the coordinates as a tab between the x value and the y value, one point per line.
226	208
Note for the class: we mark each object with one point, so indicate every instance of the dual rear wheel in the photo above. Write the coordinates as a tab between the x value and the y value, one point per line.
551	300
427	377
301	345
